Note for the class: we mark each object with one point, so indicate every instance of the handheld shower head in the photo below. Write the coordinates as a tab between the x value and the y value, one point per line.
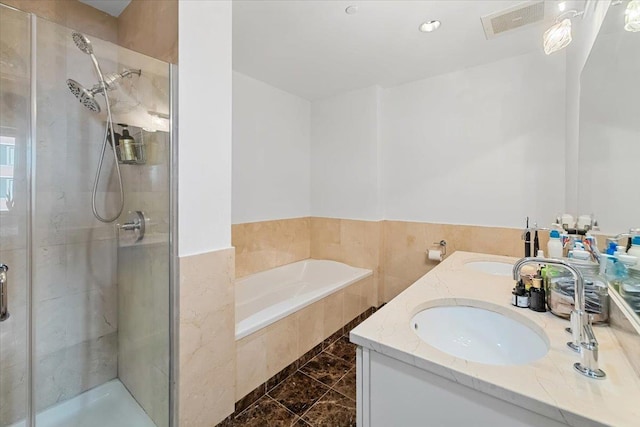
83	43
84	95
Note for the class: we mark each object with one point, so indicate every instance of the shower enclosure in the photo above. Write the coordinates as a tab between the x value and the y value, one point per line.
87	335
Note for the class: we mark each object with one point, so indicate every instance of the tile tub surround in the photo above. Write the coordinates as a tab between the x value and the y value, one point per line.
318	389
549	386
206	338
264	353
394	250
353	242
264	245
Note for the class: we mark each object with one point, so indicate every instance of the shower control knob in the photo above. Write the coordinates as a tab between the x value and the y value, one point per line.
136	223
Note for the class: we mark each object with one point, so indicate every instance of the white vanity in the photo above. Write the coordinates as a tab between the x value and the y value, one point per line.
451	350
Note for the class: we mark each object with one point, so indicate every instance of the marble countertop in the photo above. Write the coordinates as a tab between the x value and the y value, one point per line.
549	386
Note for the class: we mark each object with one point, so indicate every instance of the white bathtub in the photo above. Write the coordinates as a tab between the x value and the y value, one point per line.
266	297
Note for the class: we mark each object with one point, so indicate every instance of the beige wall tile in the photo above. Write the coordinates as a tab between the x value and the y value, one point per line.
150	27
73	14
333	312
406	243
282	344
251	363
353	242
264	245
310	326
207	338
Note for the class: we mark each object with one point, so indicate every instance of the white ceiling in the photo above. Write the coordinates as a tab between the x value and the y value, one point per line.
313	49
112	7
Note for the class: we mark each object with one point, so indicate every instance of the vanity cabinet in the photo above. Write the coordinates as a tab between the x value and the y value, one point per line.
393	393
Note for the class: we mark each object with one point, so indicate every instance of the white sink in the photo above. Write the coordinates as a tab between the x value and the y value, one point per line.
479	335
491	267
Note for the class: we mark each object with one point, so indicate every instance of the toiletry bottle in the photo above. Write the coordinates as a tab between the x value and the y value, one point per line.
635	249
537	300
554	247
522	295
527	240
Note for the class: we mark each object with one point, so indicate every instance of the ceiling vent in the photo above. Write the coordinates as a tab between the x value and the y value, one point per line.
512	18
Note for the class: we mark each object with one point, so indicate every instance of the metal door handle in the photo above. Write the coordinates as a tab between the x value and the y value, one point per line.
4	290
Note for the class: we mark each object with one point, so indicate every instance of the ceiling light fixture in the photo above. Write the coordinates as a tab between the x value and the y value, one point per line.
632	16
562	6
429	26
558	36
351	10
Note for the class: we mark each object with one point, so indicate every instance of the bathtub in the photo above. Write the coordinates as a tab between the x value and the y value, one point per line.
266	297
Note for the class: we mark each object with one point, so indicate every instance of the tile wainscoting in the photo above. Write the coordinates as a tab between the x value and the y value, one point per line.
207	338
394	250
264	245
264	353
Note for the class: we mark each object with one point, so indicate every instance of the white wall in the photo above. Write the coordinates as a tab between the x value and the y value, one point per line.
271	152
345	156
205	126
480	146
585	32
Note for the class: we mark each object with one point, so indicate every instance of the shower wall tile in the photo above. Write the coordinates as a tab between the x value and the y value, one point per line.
150	28
207	338
143	326
268	244
71	370
73	14
13	393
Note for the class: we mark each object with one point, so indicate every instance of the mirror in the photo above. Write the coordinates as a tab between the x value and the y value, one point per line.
609	152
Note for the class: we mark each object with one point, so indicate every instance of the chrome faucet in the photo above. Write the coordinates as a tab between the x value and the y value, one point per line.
583	340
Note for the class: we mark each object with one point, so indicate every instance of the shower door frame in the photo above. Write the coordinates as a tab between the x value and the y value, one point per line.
174	272
31	169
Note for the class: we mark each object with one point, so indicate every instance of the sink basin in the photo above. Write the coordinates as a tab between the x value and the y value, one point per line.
491	267
479	335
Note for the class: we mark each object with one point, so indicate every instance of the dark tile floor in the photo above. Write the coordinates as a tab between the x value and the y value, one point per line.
321	393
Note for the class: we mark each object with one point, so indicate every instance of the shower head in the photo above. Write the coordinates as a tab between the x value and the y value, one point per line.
83	43
84	95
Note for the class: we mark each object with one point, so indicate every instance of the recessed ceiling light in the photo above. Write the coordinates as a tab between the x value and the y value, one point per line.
429	26
562	6
351	10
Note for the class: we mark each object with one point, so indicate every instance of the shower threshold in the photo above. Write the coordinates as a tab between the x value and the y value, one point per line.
108	405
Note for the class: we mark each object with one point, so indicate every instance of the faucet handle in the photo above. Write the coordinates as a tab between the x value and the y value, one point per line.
575	330
588	365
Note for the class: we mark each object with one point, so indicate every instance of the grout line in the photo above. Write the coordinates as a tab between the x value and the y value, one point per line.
296	416
315	403
267	390
338	391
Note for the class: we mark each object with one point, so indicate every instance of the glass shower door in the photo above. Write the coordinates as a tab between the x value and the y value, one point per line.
85	340
15	75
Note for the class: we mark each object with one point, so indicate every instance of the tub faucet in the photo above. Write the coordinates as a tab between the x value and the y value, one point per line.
583	339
